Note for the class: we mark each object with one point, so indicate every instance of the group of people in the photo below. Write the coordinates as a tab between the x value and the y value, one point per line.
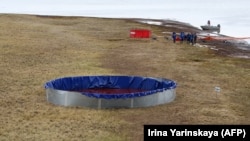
191	38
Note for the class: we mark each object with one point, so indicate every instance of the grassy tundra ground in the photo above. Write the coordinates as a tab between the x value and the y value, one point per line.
35	49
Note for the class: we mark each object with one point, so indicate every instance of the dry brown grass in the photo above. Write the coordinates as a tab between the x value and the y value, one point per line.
36	49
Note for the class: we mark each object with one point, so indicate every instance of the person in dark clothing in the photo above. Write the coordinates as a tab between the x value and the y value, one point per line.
208	22
195	38
188	37
192	38
174	37
182	36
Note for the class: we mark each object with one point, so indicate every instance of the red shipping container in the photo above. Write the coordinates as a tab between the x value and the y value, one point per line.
140	33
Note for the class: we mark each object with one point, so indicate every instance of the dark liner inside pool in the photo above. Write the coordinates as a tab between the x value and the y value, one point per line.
110	87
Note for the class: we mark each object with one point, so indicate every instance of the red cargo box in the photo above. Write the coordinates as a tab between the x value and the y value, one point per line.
140	33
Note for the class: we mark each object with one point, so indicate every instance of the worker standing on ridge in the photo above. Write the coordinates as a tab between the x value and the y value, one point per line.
182	36
195	38
188	38
191	39
174	37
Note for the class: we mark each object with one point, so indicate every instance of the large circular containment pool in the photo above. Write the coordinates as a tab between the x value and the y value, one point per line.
103	92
